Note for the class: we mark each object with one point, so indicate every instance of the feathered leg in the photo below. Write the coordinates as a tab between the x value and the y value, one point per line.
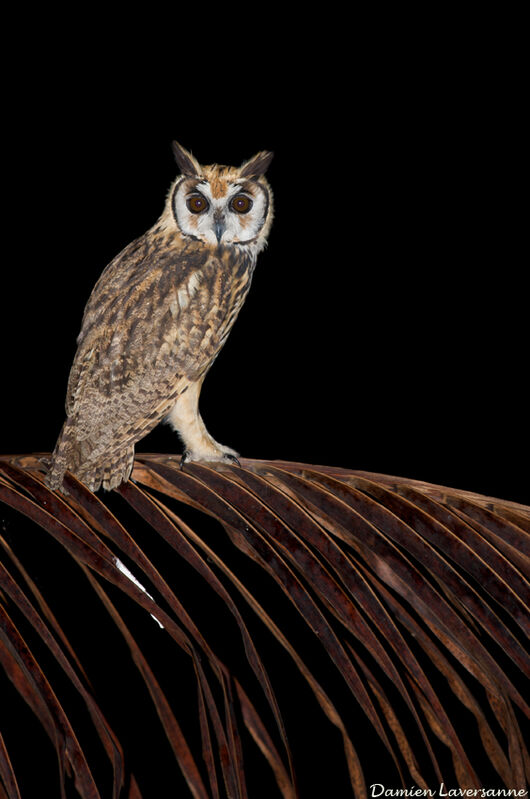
185	418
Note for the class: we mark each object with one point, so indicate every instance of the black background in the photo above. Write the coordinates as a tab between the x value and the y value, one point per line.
386	328
387	325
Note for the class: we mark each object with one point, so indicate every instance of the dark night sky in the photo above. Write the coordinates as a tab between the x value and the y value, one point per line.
386	328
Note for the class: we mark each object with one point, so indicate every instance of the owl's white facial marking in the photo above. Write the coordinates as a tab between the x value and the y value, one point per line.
227	212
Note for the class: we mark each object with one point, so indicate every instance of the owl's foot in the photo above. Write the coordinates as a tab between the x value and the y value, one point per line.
219	455
232	459
198	444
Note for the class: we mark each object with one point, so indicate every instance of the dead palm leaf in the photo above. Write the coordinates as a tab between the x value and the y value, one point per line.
278	629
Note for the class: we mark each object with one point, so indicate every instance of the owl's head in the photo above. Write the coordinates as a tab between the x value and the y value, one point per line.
224	205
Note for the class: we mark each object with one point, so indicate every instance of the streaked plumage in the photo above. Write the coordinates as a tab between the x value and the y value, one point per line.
157	318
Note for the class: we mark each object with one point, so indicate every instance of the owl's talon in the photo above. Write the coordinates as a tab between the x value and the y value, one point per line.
223	457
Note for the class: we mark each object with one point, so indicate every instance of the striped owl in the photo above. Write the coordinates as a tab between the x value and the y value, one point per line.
157	319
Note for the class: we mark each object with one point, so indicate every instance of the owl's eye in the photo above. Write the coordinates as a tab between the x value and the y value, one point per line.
197	203
241	203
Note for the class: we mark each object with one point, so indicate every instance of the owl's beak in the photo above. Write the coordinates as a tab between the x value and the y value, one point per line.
218	226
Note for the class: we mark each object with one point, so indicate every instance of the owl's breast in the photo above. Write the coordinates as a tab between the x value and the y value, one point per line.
203	308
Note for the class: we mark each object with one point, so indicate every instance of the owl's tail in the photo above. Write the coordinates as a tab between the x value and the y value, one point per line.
77	457
108	473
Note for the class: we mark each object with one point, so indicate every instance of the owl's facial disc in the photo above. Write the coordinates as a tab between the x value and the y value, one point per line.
230	214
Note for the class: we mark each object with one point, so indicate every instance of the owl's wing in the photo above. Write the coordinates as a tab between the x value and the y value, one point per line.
140	340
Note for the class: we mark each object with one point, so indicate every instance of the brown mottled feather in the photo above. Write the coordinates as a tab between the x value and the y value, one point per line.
154	323
137	350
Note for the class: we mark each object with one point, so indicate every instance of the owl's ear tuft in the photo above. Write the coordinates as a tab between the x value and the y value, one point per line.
186	162
257	165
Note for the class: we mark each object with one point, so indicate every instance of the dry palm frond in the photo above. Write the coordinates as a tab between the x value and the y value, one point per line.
278	629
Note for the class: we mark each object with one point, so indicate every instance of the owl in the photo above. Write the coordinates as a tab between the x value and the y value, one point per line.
157	319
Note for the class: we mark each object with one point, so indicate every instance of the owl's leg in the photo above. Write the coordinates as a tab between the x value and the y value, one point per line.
185	418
